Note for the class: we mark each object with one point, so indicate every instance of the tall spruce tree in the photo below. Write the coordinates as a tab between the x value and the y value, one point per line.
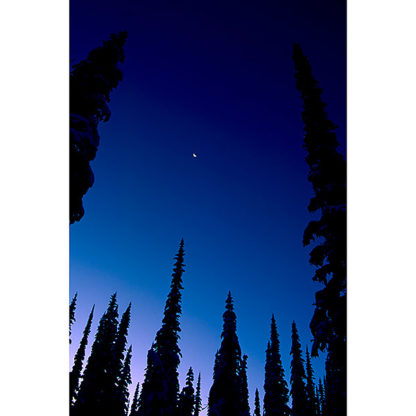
72	307
327	175
134	408
75	374
122	405
187	397
91	83
225	397
98	387
276	393
120	343
115	403
166	349
257	409
244	387
297	377
310	387
198	401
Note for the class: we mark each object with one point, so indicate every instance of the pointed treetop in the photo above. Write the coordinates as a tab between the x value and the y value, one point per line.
190	377
229	302
230	319
257	410
225	396
135	403
72	307
97	388
75	374
121	339
186	401
296	347
275	386
165	347
128	310
113	298
178	266
273	325
198	401
297	50
112	308
297	377
274	337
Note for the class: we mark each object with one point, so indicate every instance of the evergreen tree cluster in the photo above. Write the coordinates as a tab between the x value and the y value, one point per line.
105	379
102	387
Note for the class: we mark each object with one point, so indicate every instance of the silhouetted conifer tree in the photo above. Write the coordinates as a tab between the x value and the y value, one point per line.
225	393
244	387
328	177
257	409
167	349
122	405
322	399
134	408
297	377
75	374
120	343
92	81
187	397
72	308
98	386
153	397
116	402
310	387
275	386
198	401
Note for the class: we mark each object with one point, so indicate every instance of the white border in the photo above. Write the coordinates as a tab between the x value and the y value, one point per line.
381	207
34	38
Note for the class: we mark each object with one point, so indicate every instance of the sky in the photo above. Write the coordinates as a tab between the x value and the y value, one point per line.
216	80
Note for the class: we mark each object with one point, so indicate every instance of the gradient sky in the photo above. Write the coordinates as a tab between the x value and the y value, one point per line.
215	80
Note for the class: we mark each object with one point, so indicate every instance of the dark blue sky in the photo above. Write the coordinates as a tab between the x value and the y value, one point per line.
216	80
